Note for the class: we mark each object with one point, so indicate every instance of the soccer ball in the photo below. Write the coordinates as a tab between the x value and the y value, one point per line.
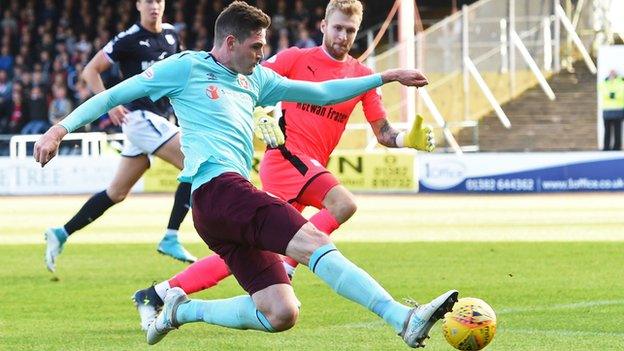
471	324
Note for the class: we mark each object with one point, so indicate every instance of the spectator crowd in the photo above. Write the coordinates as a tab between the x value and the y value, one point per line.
44	45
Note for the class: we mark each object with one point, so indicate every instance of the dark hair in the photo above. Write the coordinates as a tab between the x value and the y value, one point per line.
240	20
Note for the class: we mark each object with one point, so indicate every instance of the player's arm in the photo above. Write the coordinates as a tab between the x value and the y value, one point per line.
92	76
164	78
418	137
91	73
126	91
334	91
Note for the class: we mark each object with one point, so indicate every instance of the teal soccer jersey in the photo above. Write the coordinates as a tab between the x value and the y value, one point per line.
214	106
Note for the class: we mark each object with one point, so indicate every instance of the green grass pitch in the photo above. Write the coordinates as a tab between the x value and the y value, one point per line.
549	293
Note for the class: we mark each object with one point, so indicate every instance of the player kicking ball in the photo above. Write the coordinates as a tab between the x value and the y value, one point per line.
214	95
296	172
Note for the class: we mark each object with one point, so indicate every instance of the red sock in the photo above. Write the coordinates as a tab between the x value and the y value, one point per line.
203	274
323	221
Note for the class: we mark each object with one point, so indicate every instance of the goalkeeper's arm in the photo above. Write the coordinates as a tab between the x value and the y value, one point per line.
417	137
266	127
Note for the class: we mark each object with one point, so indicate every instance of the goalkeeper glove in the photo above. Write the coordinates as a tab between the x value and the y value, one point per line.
419	137
266	128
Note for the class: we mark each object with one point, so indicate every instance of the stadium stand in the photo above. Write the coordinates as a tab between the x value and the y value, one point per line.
44	44
541	125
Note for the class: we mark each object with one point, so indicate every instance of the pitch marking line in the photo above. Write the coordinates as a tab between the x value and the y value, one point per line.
506	311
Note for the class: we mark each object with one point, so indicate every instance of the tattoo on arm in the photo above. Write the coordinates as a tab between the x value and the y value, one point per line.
387	135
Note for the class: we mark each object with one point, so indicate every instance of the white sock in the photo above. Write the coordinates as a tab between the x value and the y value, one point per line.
161	289
171	232
290	270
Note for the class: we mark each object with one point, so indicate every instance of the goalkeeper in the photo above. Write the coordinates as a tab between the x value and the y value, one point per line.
296	171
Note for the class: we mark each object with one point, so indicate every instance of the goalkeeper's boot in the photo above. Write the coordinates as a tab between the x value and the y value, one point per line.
166	320
55	239
148	304
421	318
170	246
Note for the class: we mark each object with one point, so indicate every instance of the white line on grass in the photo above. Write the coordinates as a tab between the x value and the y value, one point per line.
568	306
559	332
504	311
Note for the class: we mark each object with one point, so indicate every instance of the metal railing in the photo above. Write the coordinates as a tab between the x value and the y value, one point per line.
485	55
75	144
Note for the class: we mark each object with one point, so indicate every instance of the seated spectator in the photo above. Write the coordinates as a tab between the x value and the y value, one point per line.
279	19
305	41
84	45
283	42
60	105
6	59
300	15
17	115
8	23
6	89
36	112
73	77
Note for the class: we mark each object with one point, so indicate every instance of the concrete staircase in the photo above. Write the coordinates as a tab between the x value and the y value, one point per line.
538	124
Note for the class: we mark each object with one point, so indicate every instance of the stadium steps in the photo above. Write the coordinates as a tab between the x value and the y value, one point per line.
538	124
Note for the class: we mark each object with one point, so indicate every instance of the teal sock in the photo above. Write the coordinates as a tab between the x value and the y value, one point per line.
355	284
61	234
171	233
238	313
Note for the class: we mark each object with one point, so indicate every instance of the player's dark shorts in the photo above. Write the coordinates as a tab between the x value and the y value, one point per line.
247	228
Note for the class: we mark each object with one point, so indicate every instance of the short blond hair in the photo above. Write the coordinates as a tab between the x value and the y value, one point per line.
348	7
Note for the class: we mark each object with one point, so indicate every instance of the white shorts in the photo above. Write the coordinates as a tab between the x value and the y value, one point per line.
146	133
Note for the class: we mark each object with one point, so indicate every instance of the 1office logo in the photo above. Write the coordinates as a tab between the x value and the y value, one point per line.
442	174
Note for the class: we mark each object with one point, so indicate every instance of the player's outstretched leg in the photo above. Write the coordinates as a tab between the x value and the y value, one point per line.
238	312
421	318
338	205
170	245
326	223
203	274
310	246
55	239
129	170
57	236
171	152
148	303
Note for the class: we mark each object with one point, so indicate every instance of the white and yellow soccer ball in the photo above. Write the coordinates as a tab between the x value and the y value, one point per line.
471	324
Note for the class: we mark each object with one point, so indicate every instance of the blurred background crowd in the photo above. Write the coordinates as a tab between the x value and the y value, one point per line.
44	45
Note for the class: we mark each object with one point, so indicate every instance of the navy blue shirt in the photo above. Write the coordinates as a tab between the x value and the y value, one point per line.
135	50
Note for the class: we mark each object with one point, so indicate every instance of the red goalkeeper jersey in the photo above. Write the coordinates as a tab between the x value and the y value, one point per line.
316	130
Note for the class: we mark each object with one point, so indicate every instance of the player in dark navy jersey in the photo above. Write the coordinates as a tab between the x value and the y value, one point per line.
144	123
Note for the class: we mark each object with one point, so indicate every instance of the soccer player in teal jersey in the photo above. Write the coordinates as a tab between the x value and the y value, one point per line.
213	94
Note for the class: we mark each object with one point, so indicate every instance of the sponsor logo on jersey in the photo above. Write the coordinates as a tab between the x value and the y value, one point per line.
148	73
144	43
170	39
211	76
212	92
242	81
